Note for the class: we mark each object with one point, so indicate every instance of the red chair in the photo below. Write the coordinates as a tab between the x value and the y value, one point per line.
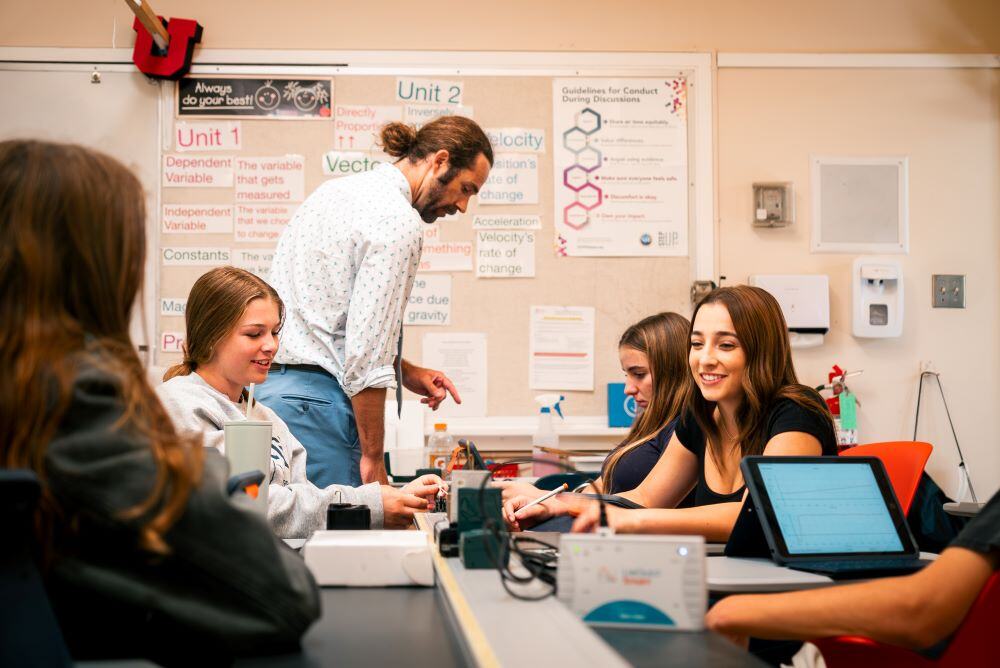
904	462
972	644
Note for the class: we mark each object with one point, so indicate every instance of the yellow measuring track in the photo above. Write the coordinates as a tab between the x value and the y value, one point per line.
482	652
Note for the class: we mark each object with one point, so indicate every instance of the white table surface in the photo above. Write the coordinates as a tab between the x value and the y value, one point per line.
731	575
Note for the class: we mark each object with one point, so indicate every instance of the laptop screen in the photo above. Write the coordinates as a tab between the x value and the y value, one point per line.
824	509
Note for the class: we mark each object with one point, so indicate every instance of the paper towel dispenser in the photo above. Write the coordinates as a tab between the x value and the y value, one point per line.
805	303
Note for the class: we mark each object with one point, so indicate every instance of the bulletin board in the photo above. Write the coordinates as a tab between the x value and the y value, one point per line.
506	91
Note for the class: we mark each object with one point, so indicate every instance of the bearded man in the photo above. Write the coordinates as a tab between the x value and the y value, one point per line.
344	268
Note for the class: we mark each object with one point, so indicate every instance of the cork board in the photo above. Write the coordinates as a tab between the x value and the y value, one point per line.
620	289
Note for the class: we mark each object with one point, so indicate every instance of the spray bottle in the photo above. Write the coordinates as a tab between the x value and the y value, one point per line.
546	436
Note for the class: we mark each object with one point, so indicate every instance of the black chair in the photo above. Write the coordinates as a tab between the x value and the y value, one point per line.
29	632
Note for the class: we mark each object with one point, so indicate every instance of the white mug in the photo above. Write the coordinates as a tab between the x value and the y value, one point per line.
248	448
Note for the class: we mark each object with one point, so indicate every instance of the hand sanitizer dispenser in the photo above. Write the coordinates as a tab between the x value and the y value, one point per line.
878	297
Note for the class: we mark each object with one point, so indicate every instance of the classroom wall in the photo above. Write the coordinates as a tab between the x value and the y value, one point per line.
948	123
923	26
768	123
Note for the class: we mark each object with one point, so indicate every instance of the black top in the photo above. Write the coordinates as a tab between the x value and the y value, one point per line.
785	415
982	533
633	468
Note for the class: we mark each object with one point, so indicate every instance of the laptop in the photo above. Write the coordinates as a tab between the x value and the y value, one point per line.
837	516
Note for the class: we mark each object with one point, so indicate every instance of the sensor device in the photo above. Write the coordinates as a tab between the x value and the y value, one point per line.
642	582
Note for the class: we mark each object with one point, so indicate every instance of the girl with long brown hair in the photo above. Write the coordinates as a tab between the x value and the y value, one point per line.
653	356
138	541
233	319
744	400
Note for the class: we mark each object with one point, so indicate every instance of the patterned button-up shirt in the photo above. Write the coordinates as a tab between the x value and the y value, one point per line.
344	267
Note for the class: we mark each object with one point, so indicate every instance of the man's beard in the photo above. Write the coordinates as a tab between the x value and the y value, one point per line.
429	208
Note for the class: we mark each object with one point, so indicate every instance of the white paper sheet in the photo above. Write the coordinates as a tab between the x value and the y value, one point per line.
517	140
356	126
208	136
271	179
430	301
461	357
561	348
262	222
197	171
505	253
513	180
197	219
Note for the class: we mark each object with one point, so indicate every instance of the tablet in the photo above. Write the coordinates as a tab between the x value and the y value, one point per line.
822	508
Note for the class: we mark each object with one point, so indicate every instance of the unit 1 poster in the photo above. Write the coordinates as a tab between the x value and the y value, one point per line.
620	160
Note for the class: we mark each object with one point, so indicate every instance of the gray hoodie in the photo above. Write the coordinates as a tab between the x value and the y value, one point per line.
295	506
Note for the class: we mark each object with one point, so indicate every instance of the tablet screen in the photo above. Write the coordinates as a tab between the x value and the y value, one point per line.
824	509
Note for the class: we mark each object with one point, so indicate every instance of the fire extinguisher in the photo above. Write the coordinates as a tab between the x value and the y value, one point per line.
843	406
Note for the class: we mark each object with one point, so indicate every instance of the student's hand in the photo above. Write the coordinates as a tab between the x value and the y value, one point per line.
398	508
432	385
426	487
589	518
512	488
519	518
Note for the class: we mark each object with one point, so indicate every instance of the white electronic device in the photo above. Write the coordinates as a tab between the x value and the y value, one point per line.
805	303
369	558
878	297
647	582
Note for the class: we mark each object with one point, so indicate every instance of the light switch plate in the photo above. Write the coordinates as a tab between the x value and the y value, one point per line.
949	291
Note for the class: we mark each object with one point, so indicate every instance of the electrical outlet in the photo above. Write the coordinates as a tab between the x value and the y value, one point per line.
927	366
949	291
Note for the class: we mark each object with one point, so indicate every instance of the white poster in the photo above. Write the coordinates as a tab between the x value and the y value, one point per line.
173	305
438	255
183	171
516	140
506	221
561	348
429	91
505	254
197	219
172	256
620	161
422	114
461	357
172	342
346	163
513	180
272	179
430	301
356	127
262	222
255	260
208	136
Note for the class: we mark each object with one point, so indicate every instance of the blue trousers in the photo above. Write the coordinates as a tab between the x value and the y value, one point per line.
320	415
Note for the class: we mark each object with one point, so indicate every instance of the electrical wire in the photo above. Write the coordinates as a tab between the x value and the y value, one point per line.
541	569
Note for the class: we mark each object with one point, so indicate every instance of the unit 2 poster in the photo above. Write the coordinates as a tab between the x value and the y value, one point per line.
621	173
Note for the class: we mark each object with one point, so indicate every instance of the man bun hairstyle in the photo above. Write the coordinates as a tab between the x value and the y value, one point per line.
461	137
